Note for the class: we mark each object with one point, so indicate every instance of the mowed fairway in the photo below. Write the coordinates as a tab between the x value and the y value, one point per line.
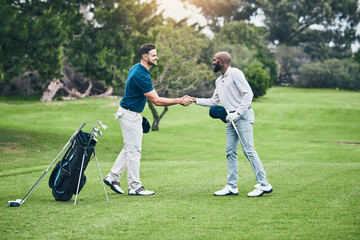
316	182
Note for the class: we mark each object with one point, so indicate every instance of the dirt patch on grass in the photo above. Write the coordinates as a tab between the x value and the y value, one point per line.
7	148
347	143
11	147
54	103
113	104
339	143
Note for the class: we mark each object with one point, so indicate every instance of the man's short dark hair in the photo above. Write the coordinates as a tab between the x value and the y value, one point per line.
146	48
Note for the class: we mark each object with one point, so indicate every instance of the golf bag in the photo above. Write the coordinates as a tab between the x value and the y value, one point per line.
65	176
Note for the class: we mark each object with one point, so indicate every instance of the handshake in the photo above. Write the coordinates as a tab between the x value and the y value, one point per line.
187	100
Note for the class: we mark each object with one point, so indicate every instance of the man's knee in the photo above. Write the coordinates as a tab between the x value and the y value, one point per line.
230	152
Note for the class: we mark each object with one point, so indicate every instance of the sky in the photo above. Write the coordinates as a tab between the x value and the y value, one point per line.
176	10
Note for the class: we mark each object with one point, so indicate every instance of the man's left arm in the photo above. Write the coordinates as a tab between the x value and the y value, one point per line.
245	91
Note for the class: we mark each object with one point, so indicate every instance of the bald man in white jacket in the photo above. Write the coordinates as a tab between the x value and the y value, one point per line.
235	95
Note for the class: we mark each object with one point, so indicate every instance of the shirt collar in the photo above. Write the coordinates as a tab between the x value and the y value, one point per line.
227	72
144	68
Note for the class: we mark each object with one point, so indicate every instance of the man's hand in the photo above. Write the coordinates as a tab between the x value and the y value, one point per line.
192	98
186	101
232	116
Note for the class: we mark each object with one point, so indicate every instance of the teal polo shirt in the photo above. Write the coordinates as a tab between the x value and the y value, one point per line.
138	82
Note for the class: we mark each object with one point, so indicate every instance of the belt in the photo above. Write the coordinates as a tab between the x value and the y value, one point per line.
235	110
129	109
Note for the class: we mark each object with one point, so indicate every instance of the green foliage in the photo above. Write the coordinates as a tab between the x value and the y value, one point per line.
316	44
243	33
108	46
258	79
33	36
357	56
290	60
42	35
178	70
14	45
288	20
218	13
332	73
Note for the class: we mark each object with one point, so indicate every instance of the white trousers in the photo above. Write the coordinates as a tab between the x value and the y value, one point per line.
129	157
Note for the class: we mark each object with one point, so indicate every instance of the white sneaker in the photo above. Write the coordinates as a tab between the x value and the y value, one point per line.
227	190
115	186
258	185
140	191
257	192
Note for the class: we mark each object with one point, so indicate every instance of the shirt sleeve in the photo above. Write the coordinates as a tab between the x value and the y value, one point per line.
145	85
208	102
245	91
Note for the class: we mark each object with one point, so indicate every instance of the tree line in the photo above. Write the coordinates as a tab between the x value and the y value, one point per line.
303	43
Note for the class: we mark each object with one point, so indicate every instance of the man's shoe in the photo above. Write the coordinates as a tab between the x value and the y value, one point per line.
258	192
258	185
115	186
141	191
227	190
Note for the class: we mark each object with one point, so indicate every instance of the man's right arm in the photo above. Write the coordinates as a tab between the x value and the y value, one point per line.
207	102
161	101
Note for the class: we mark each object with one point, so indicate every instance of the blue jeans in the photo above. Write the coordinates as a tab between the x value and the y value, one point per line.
244	125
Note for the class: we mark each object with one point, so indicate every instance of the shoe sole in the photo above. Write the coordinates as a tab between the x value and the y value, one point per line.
136	194
228	194
270	191
112	187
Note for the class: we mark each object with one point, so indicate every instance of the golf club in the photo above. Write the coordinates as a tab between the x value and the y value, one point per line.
18	202
237	132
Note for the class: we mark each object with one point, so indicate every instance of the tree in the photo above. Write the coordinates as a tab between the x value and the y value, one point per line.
107	47
292	22
316	44
32	36
42	36
179	70
357	56
290	59
218	13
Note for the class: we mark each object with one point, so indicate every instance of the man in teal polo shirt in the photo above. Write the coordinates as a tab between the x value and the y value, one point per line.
138	88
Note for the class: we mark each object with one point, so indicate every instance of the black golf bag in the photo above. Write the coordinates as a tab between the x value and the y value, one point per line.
65	176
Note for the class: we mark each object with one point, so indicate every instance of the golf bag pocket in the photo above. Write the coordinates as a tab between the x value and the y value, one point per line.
63	184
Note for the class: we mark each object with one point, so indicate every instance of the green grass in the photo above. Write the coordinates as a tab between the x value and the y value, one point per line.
316	182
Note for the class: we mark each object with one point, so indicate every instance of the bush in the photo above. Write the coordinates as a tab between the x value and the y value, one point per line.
258	79
332	73
357	56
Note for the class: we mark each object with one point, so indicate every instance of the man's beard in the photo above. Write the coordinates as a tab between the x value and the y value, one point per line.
151	63
217	67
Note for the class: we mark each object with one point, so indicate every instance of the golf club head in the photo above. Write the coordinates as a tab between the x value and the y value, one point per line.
100	133
94	133
15	203
102	125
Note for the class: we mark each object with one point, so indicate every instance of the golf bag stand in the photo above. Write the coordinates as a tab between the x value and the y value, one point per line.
68	176
81	171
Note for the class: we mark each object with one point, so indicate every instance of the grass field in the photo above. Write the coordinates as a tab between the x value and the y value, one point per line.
316	182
